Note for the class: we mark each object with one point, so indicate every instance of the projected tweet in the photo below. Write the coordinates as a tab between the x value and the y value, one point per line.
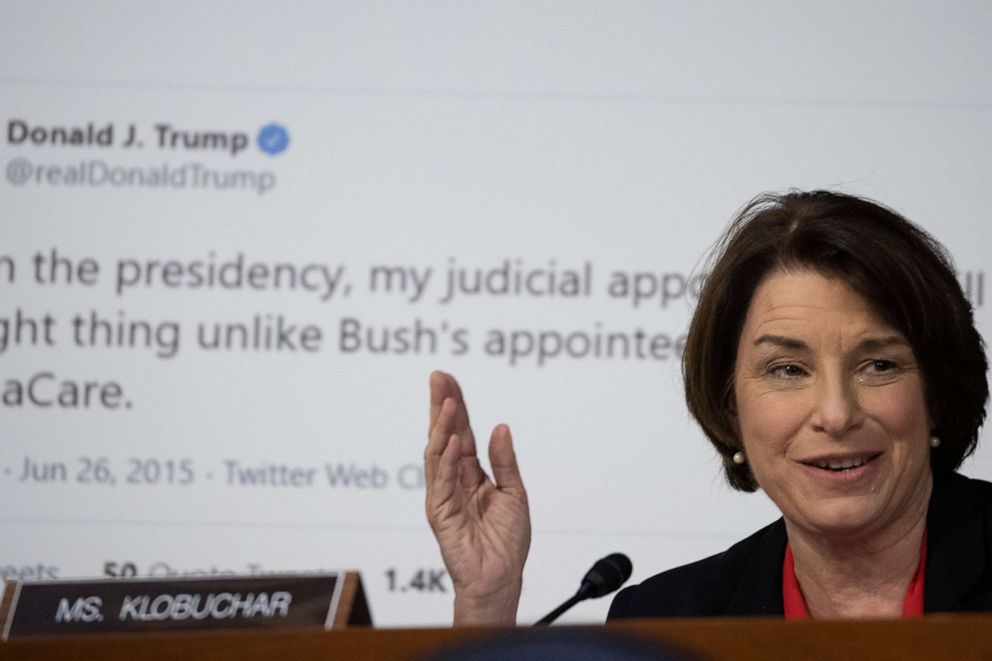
140	471
100	173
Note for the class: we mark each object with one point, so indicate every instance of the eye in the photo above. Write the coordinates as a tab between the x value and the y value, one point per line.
881	366
787	371
880	371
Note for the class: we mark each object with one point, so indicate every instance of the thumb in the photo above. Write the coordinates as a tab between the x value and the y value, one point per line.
503	459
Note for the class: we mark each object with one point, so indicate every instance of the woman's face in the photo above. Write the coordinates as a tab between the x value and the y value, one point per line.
830	408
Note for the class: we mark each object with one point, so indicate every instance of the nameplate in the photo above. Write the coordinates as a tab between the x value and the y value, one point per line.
69	607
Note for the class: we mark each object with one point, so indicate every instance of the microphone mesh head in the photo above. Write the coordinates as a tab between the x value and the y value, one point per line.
606	575
622	566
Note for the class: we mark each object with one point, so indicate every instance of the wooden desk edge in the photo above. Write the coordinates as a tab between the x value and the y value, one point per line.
933	637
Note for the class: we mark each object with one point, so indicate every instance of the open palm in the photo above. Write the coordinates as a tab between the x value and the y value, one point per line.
482	525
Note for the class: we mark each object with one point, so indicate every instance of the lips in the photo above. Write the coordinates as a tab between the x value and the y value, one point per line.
839	464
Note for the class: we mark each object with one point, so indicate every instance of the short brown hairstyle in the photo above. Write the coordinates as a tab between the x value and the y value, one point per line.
903	272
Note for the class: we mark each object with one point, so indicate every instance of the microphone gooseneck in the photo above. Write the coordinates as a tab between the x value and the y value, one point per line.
607	575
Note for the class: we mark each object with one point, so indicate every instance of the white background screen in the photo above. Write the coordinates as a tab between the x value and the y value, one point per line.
228	229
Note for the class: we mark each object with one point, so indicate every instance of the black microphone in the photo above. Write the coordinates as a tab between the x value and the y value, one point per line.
606	575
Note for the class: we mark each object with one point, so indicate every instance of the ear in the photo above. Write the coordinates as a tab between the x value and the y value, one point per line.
933	411
730	406
932	421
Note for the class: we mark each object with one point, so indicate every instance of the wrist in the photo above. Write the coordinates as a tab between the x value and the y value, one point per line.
498	608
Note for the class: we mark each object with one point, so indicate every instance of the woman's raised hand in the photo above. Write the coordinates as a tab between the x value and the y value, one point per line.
482	526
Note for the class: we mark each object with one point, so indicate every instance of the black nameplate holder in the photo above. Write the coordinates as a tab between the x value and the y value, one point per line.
76	607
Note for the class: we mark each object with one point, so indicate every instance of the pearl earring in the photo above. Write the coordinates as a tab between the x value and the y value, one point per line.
934	442
739	458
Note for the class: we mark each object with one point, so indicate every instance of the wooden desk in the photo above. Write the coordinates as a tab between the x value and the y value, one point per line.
935	637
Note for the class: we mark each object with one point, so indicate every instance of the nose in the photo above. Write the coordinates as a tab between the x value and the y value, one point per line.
837	409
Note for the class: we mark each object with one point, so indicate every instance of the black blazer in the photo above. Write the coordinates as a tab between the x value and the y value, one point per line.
746	579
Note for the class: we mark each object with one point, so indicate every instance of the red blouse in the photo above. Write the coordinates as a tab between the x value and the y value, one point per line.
795	605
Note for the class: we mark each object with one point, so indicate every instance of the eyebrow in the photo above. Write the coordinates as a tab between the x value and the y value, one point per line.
875	343
782	341
869	344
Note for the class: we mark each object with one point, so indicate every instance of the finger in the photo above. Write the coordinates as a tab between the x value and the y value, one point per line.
439	392
441	488
439	437
470	472
503	459
445	386
461	411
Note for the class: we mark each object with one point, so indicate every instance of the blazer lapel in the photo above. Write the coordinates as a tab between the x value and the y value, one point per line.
759	590
958	535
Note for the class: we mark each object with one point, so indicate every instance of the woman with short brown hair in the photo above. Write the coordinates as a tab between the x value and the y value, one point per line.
833	361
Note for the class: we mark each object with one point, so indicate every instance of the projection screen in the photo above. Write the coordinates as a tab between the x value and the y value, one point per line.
237	237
